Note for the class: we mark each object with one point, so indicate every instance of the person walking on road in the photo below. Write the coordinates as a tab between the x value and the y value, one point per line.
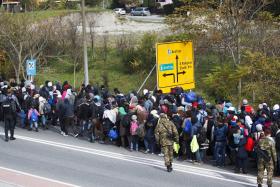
9	108
266	158
166	133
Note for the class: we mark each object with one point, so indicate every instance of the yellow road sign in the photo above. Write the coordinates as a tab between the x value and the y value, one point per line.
175	66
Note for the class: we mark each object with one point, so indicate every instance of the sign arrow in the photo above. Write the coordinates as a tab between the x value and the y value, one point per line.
178	73
169	74
183	72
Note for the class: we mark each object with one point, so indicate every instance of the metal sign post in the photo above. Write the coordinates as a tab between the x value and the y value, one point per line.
146	79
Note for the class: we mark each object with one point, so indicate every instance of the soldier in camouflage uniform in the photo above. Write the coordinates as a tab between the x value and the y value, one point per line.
166	133
266	143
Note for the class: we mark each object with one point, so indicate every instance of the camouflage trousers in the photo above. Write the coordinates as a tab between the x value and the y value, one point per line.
262	165
168	154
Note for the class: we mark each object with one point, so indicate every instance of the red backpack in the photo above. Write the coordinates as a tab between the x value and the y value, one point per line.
249	146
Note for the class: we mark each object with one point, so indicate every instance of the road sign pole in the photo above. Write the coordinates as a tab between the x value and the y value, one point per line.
146	79
85	44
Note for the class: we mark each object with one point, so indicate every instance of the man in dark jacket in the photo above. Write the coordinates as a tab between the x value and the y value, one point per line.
67	117
220	136
84	114
9	109
241	156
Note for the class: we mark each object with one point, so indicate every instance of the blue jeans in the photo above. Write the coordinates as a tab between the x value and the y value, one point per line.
197	156
220	151
43	120
149	144
35	124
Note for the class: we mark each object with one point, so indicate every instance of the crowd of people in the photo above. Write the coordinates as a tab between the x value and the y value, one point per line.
151	121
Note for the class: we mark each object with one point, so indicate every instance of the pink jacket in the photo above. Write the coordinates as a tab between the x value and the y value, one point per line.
30	112
133	128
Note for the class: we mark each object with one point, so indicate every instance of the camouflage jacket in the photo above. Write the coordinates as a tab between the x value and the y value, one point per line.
162	131
268	144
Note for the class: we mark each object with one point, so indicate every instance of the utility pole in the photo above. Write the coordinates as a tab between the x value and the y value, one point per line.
85	44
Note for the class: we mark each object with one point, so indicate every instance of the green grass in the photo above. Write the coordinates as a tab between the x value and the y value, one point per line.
62	70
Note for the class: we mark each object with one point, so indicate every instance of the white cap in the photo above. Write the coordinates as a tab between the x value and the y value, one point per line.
260	106
276	107
49	84
245	102
259	127
134	117
145	91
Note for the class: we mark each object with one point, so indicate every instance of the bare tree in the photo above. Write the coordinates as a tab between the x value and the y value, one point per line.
92	24
21	38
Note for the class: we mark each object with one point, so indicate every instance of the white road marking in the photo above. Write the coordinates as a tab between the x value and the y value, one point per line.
151	162
38	177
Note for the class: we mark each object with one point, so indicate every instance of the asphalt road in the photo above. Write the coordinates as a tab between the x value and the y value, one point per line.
48	159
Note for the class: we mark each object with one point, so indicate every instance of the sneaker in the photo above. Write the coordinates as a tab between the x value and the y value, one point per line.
37	130
160	154
6	139
12	138
147	151
76	135
65	134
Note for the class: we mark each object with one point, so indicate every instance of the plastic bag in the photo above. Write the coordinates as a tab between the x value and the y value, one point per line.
194	144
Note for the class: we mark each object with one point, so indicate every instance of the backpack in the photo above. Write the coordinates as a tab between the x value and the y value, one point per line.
133	128
125	120
190	97
47	108
34	116
9	107
141	131
188	127
113	134
249	146
201	137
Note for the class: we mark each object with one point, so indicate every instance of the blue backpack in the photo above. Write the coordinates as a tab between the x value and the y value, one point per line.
188	127
190	97
113	134
34	116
